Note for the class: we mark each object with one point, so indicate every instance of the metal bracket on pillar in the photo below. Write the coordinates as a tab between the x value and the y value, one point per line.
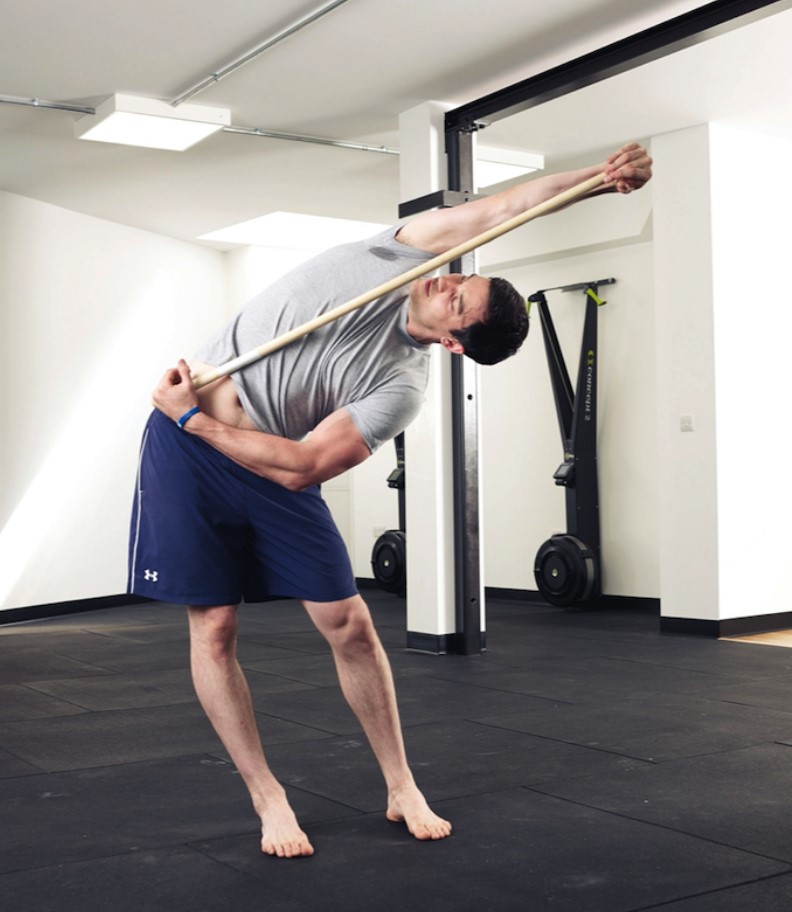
440	199
469	639
455	196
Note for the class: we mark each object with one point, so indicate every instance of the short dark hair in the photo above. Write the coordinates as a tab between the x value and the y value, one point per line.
504	330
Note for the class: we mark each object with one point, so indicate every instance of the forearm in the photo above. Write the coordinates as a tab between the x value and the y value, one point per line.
286	462
525	196
334	446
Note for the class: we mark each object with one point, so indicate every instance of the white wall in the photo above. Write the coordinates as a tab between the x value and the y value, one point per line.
91	315
521	443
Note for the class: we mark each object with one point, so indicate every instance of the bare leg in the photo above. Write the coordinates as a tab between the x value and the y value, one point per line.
367	683
225	697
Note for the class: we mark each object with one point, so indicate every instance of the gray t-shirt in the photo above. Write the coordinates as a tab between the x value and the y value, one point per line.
365	361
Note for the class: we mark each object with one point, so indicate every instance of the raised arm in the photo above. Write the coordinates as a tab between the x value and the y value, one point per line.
441	229
334	446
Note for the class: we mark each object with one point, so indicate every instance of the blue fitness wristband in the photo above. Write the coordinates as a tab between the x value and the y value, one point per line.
187	415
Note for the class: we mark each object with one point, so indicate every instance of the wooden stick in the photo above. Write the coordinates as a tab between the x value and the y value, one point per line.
455	253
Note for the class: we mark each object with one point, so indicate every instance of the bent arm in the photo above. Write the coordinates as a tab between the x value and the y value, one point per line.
334	446
441	229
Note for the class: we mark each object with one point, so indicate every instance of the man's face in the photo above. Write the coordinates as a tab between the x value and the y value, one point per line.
449	302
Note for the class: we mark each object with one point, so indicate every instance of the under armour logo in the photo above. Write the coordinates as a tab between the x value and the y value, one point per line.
150	575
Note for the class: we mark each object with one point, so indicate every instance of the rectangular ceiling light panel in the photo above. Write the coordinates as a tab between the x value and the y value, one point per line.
130	120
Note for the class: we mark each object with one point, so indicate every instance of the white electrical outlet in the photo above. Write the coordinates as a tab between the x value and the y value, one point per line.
377	531
686	423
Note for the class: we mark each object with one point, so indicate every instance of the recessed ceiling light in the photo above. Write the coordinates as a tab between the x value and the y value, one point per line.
294	231
133	121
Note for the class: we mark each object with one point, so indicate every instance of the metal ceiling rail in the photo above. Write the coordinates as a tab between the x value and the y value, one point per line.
39	103
302	137
683	31
246	131
259	49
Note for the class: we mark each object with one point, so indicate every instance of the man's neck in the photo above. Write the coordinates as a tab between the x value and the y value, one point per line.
417	332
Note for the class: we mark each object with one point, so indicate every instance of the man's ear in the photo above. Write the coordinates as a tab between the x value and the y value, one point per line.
453	345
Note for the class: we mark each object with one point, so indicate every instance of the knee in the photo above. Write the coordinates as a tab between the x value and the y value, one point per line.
213	632
355	636
346	625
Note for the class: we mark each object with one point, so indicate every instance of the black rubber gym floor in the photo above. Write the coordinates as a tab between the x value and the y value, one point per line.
588	763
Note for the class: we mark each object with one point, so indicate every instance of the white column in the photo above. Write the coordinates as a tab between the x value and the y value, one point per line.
687	489
751	203
430	522
723	327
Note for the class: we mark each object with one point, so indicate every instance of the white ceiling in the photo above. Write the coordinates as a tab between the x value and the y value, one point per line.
347	76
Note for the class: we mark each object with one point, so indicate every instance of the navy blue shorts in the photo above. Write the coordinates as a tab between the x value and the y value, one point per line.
206	531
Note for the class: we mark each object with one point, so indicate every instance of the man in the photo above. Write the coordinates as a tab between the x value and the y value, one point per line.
227	503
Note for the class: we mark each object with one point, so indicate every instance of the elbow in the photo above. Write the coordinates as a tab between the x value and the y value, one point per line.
313	473
297	483
294	478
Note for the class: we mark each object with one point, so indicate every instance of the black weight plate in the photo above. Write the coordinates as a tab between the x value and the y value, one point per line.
565	570
389	561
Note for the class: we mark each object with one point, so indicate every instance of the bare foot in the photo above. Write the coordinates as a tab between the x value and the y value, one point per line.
280	833
410	807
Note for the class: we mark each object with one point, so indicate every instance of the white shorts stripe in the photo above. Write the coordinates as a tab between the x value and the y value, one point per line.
139	497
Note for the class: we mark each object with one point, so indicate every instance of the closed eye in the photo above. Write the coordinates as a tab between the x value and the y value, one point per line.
461	301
